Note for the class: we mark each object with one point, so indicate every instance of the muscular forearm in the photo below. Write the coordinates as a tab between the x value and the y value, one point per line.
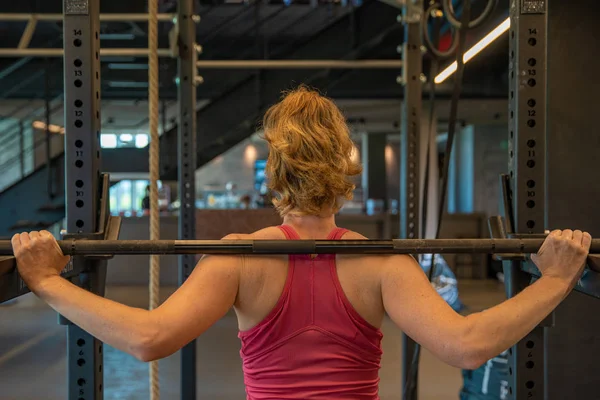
129	329
492	331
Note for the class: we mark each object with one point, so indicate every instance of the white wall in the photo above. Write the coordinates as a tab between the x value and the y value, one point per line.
236	165
479	157
433	184
490	160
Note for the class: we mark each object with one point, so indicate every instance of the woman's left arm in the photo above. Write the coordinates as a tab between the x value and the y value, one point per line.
203	299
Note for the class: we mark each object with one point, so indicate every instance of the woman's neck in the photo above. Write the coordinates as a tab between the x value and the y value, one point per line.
313	226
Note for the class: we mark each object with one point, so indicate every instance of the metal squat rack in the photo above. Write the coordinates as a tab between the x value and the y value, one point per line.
86	189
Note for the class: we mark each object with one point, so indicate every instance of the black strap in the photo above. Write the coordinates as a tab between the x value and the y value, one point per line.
460	67
433	71
462	36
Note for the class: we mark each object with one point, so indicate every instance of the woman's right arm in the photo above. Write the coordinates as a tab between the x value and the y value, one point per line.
468	342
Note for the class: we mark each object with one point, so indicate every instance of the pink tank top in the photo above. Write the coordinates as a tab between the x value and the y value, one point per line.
313	344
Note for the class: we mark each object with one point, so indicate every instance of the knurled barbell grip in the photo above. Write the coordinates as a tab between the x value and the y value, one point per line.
100	247
471	246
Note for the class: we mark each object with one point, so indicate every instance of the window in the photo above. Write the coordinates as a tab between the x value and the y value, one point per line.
126	138
126	197
139	192
108	141
141	141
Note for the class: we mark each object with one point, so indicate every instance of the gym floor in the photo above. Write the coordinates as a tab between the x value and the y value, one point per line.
33	355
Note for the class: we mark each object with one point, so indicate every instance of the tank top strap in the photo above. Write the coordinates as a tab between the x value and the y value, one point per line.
337	234
289	232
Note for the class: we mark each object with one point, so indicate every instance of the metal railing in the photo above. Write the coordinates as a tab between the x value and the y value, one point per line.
24	160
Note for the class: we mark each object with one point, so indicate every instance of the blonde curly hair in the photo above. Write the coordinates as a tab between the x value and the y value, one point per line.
310	162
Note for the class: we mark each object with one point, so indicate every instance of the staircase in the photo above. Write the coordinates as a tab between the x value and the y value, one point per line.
27	205
229	118
235	115
32	194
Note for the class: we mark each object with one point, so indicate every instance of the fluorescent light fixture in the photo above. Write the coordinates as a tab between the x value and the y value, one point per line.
108	141
141	141
126	137
473	51
52	128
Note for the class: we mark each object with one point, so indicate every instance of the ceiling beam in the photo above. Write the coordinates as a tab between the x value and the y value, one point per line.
110	17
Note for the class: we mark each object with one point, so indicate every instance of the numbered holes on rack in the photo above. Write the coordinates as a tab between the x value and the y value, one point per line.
531	225
529	384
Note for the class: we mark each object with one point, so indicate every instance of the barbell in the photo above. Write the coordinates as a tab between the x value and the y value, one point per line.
397	246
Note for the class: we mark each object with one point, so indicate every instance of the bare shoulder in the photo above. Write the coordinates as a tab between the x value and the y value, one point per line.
351	235
272	233
383	263
250	262
382	259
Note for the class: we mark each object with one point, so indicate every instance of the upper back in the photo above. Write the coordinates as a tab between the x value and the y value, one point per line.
309	324
262	281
